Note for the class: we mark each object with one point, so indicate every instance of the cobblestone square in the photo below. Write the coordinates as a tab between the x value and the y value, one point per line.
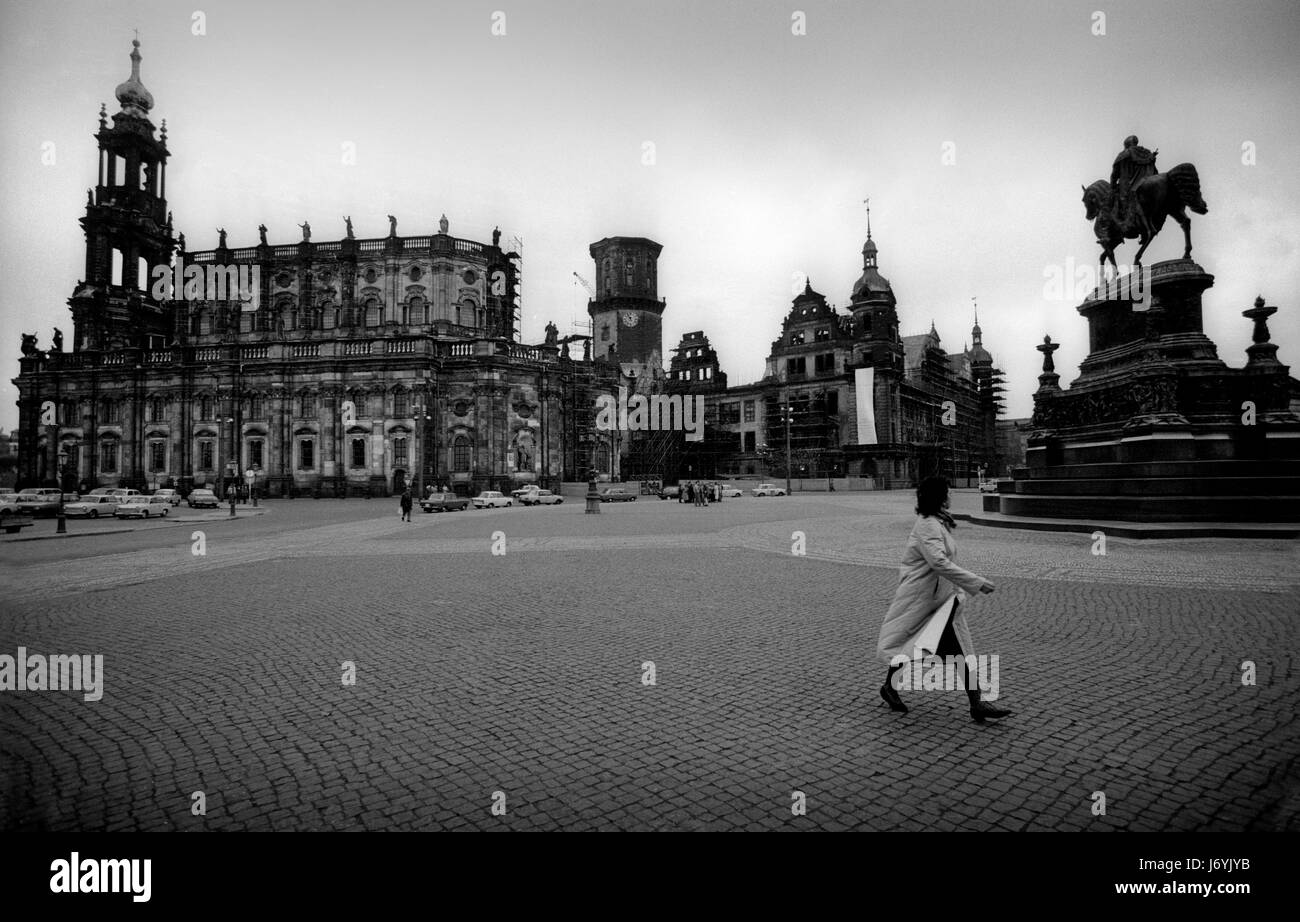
524	673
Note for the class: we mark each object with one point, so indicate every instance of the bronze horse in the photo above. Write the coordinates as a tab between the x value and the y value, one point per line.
1153	199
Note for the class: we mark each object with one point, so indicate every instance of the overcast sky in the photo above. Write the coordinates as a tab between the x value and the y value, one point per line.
764	142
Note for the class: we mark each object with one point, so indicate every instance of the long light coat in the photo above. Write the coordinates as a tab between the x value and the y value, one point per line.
927	578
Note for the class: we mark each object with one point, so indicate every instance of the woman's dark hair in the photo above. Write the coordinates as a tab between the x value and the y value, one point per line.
930	495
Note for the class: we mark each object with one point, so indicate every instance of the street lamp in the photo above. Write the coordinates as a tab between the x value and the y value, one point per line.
787	420
65	455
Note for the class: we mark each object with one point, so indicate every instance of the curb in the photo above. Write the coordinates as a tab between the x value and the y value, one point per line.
121	531
1137	530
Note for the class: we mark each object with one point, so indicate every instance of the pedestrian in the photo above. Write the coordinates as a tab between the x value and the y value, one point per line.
690	492
928	578
406	505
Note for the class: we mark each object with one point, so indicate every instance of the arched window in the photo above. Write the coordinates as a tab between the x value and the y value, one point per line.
373	313
628	266
417	311
460	455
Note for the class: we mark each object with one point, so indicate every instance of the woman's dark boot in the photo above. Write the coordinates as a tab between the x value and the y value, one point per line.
982	710
890	695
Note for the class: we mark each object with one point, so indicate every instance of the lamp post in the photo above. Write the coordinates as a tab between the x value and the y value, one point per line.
422	418
787	420
61	528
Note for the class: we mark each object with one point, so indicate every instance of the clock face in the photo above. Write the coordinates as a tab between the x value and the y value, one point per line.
630	319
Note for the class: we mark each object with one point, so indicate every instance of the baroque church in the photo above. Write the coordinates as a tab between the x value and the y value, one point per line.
353	366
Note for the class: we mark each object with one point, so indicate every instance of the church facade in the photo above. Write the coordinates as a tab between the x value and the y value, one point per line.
338	367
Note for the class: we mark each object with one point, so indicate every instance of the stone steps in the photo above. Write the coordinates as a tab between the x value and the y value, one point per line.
1148	508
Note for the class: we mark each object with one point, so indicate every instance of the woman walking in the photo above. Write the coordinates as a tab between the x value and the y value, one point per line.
406	504
928	578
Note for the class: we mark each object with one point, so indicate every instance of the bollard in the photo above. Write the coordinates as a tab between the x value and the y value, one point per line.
593	497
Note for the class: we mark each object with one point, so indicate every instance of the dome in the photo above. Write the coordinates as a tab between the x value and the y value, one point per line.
135	99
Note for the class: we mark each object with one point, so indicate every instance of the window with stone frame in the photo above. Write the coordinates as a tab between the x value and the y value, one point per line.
157	455
460	455
749	411
751	442
401	404
70	413
108	456
730	413
207	455
306	405
256	453
374	313
306	454
358	453
205	410
400	455
254	407
110	411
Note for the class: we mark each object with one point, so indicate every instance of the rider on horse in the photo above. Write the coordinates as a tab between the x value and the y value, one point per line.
1134	163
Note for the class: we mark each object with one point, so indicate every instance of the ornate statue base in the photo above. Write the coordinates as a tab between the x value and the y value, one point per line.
1157	428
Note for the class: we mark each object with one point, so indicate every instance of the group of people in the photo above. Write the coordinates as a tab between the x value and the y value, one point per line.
699	493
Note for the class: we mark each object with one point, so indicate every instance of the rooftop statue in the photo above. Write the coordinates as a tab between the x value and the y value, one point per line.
1136	201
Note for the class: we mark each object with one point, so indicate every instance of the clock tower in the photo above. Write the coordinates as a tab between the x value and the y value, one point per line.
626	314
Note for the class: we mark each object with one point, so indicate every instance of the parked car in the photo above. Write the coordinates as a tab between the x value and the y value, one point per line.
444	502
729	491
11	520
672	492
44	491
172	496
203	499
519	493
141	507
617	495
768	489
124	491
92	507
541	498
491	498
38	504
990	486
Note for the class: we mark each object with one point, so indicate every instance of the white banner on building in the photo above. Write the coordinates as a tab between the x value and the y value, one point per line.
864	380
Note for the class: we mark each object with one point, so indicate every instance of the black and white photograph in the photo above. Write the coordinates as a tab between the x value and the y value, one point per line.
713	416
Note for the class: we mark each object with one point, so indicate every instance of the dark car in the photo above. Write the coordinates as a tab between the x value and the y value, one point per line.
202	499
617	495
672	492
38	504
444	502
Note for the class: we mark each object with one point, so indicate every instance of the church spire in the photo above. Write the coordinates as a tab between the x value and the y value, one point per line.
135	99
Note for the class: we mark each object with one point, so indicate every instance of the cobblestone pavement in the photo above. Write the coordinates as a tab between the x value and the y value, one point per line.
523	674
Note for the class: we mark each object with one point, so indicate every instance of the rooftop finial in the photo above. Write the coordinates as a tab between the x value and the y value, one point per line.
135	99
867	202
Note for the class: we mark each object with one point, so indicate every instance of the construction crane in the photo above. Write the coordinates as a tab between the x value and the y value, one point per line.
588	326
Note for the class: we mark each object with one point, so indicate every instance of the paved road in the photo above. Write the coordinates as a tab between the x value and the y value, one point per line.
523	674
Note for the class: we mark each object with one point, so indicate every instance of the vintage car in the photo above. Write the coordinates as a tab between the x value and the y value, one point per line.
92	507
670	492
491	498
141	507
38	504
768	489
202	499
172	496
11	520
444	502
617	495
519	493
541	498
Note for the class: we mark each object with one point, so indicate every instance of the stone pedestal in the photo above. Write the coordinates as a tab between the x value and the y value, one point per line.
1157	428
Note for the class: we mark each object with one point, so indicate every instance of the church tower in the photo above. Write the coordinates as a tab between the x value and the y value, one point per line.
627	317
875	314
127	227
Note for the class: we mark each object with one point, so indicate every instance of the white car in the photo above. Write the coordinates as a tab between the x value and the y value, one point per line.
93	507
768	489
729	492
172	496
524	491
141	507
989	486
492	498
540	498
